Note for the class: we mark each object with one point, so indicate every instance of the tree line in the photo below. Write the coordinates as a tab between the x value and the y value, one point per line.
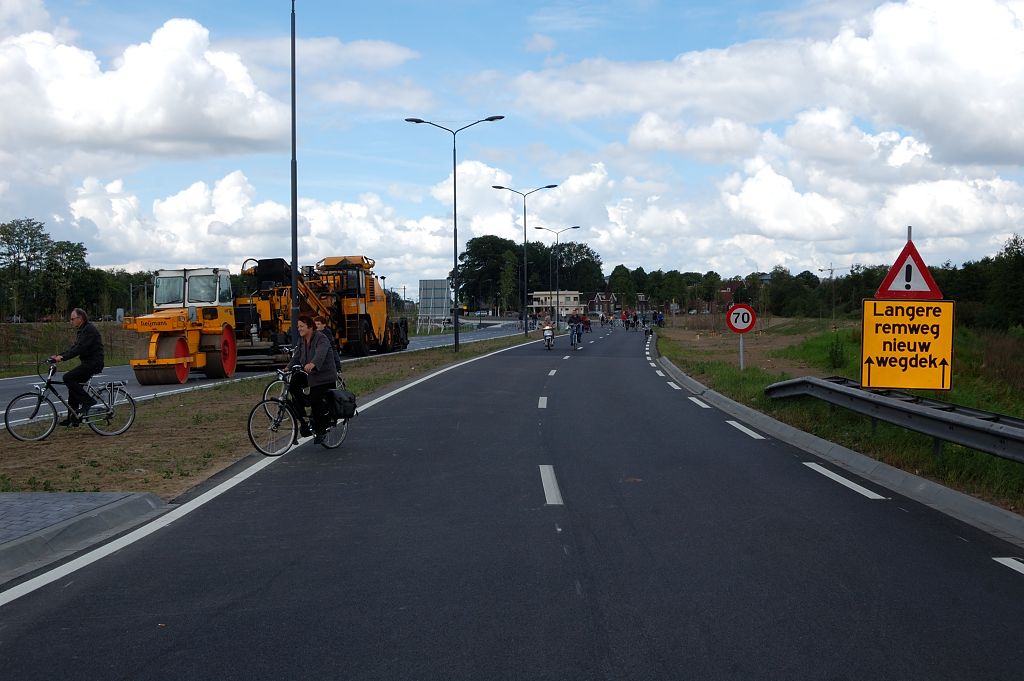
41	278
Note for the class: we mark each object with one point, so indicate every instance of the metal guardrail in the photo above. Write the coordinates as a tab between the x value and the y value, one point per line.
995	434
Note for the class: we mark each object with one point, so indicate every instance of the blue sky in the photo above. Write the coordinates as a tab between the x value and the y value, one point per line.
733	136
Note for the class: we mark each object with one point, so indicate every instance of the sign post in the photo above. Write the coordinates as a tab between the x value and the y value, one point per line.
907	330
740	319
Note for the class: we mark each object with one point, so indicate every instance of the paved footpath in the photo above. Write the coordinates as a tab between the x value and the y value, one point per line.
38	528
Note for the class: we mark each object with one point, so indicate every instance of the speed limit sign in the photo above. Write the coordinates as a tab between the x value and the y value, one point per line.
740	318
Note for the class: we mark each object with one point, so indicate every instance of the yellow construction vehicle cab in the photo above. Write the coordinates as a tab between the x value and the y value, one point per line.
192	326
342	289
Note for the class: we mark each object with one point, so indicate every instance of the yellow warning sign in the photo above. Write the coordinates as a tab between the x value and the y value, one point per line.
907	344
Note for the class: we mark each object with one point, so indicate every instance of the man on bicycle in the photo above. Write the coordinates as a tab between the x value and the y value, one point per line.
88	347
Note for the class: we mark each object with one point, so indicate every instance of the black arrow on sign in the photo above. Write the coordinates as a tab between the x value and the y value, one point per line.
943	364
870	364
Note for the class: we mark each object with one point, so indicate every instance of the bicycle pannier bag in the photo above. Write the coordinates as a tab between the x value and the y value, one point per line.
343	403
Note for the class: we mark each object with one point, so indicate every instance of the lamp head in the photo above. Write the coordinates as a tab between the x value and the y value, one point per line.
489	119
550	186
414	120
497	186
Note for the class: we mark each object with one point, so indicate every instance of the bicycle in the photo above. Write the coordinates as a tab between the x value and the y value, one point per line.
32	416
273	424
278	389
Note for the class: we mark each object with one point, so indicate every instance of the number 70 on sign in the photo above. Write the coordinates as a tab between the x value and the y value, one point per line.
740	318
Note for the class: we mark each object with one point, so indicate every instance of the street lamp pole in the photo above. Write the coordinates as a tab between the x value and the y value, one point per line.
558	265
526	329
295	207
455	216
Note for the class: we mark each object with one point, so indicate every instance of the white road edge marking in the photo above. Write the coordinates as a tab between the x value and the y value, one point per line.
1011	563
652	364
542	403
660	373
552	372
674	386
552	496
743	429
842	481
62	571
699	403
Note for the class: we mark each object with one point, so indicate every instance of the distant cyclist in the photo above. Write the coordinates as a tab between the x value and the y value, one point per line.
88	347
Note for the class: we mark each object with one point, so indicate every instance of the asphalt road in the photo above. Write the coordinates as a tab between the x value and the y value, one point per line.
537	515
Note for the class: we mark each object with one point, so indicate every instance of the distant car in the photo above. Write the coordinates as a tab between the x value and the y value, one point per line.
482	313
15	319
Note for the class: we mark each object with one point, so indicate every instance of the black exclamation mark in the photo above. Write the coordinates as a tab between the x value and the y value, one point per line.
909	271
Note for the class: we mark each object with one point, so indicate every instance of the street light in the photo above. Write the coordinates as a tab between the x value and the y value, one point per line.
455	216
526	329
558	255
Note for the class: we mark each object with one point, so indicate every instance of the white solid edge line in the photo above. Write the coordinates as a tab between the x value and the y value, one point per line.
673	386
842	481
552	495
61	571
1011	563
742	428
700	404
542	403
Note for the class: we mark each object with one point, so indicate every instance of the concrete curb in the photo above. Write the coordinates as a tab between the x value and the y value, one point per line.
996	521
25	554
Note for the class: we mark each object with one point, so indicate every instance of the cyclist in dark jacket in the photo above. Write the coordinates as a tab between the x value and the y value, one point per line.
88	347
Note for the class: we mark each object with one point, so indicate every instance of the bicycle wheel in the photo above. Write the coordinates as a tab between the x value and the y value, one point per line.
117	416
272	427
335	435
275	390
30	417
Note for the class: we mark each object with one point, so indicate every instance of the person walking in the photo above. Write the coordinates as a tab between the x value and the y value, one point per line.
88	347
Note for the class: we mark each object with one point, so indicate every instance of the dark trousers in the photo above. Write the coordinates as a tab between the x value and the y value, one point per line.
74	379
317	401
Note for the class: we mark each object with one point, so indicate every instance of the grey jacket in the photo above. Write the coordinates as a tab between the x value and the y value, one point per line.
318	351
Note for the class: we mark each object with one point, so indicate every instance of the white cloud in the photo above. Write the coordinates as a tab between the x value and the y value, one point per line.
401	96
722	139
170	96
539	42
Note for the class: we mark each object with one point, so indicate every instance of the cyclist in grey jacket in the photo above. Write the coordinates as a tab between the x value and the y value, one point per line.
316	357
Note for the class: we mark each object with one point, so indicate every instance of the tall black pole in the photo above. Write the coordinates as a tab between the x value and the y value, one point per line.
295	205
455	247
526	320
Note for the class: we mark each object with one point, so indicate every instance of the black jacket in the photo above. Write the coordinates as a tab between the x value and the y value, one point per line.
88	347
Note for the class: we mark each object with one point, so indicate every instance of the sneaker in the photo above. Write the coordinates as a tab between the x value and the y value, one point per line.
318	439
305	430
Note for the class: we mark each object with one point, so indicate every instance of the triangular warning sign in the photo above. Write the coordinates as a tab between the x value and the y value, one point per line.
909	278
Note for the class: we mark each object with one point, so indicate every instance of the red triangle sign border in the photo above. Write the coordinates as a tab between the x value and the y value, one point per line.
886	290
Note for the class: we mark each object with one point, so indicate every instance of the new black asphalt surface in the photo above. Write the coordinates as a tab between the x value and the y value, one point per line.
426	548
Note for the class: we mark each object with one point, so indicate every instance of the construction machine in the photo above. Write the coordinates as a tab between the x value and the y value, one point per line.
192	326
341	289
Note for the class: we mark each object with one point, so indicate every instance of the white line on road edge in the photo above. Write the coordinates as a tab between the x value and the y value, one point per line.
542	403
700	404
552	372
652	364
742	428
1011	563
673	386
842	481
163	521
552	496
130	538
660	374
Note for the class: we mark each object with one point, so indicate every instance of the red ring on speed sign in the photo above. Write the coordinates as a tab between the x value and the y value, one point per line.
740	318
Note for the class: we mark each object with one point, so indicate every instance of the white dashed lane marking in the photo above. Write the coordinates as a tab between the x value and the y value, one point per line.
743	429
